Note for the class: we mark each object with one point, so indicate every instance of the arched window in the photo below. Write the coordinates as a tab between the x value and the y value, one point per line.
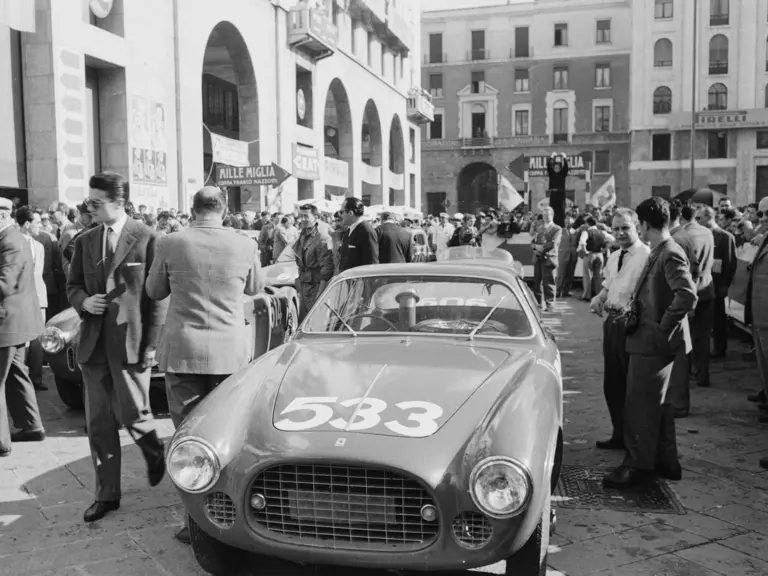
718	97
560	121
662	53
662	100
718	55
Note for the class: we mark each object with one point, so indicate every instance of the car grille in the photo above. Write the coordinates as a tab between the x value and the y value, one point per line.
71	364
472	530
220	509
344	507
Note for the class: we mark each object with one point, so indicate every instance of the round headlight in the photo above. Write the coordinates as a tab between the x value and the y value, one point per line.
500	487
52	340
193	465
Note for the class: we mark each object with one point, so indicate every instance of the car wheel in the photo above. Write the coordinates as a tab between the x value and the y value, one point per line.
213	556
531	559
291	322
70	392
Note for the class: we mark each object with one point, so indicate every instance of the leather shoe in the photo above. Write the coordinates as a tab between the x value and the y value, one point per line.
4	453
28	436
764	463
626	477
759	397
183	536
612	444
155	473
98	510
670	471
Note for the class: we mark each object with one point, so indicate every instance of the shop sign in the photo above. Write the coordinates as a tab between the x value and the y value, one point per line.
537	166
228	151
268	175
721	119
306	163
335	172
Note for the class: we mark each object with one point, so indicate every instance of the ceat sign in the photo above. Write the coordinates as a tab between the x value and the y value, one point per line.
306	163
101	8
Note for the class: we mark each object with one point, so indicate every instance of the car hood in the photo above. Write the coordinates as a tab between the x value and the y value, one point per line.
411	386
67	320
281	274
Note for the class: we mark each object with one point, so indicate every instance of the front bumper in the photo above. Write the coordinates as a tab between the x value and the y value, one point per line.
443	551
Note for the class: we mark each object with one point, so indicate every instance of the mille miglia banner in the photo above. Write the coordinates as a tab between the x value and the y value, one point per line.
266	175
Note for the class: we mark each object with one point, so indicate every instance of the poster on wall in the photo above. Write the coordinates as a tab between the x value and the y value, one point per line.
149	154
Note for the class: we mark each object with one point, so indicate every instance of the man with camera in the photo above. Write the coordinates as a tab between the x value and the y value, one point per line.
545	246
466	234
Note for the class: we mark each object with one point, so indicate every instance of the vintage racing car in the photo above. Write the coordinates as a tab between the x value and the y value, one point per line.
414	422
272	314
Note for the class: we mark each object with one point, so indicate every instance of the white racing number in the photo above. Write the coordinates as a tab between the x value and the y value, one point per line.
428	301
367	415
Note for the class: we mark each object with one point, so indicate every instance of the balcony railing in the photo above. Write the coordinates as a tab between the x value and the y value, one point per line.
526	53
311	30
718	67
439	58
420	107
398	32
478	54
371	12
718	19
482	142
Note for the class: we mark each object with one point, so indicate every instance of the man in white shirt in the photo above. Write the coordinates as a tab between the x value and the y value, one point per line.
621	272
439	234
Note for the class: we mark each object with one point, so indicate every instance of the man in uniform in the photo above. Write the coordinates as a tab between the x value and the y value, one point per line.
314	258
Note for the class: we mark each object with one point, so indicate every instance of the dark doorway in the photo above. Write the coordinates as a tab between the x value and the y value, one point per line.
761	182
478	188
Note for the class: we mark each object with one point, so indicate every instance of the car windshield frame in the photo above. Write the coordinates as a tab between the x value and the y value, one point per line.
534	328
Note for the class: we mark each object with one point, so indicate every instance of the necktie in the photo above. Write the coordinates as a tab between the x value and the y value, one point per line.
621	258
109	249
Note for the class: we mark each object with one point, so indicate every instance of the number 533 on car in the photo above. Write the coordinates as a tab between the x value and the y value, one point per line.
414	422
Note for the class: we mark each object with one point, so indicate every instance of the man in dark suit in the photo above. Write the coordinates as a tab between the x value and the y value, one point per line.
724	266
395	242
20	322
665	294
701	322
118	336
360	244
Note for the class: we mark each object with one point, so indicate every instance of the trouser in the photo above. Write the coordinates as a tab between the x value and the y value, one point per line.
34	359
701	332
615	368
185	391
649	423
17	395
760	337
543	276
566	268
308	293
679	393
592	274
117	394
719	326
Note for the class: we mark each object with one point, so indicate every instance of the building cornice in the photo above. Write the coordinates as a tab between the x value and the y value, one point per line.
526	9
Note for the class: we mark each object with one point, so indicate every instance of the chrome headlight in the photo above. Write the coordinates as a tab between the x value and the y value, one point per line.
500	487
53	340
193	465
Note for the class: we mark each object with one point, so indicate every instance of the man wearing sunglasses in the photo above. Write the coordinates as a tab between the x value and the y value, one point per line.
118	336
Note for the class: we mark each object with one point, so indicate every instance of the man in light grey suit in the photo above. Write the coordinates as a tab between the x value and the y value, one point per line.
206	270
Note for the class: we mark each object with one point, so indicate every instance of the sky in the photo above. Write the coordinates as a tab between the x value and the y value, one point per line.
428	5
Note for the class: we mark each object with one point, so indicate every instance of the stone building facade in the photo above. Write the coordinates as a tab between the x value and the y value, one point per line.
525	80
170	91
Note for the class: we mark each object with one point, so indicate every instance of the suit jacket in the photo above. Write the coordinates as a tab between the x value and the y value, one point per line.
52	265
758	271
134	313
18	294
665	295
359	248
38	258
725	255
207	270
395	244
703	251
550	239
314	256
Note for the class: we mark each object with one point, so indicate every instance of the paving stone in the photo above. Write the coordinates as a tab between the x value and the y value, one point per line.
752	544
744	516
666	565
724	560
700	524
135	565
172	555
578	525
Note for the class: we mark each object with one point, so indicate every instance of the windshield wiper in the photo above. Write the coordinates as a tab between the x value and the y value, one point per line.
347	326
484	320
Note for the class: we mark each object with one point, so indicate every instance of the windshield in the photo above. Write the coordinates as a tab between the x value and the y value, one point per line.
473	253
418	303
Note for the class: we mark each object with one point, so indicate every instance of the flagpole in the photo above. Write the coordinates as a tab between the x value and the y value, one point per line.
693	91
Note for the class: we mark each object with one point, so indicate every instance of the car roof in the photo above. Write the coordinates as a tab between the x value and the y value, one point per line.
486	268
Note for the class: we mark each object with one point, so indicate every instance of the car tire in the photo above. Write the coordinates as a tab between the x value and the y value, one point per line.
213	556
531	559
70	392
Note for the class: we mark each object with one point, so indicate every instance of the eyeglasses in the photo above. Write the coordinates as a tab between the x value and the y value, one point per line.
95	202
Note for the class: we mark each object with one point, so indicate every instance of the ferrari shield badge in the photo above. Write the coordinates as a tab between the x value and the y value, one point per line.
340	442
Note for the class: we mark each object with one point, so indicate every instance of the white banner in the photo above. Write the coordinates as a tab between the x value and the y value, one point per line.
228	151
605	196
335	172
18	14
509	197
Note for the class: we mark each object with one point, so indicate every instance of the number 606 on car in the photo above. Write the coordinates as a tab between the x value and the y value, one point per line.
418	420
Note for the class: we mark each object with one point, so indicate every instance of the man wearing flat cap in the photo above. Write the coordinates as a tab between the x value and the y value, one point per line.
20	323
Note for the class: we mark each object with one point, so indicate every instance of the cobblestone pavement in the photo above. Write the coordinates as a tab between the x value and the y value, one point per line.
44	489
